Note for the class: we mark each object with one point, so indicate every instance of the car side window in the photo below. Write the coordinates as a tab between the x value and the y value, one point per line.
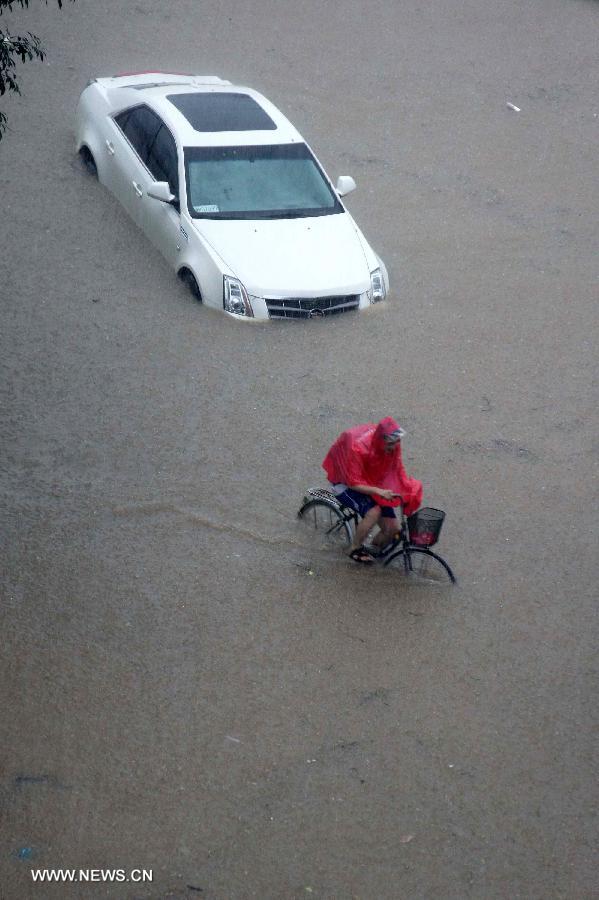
162	159
122	118
140	126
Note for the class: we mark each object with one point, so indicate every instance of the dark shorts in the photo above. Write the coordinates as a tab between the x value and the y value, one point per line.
362	503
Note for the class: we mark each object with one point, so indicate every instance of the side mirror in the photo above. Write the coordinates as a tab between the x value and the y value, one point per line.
345	184
161	191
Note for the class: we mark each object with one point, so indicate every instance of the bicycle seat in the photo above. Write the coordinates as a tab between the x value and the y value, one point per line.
329	497
322	494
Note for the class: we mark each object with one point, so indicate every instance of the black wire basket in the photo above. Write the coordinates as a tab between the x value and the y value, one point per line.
424	526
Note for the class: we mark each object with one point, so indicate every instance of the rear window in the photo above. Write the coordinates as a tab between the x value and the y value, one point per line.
221	111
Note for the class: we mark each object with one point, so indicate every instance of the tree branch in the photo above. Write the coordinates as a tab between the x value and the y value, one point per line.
8	4
13	48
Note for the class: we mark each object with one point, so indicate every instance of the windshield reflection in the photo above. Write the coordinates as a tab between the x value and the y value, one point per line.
259	182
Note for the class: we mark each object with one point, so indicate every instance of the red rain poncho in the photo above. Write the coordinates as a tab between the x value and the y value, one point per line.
359	456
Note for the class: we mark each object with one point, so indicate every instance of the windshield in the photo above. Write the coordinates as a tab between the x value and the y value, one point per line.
263	182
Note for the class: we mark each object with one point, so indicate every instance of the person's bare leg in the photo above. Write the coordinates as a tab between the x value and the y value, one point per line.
367	523
388	527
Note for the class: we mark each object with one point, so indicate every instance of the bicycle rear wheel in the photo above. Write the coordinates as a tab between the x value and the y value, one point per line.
421	566
323	519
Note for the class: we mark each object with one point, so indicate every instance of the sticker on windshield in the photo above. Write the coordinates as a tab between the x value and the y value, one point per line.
207	208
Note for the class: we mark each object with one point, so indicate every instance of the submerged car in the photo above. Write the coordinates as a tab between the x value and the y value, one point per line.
230	193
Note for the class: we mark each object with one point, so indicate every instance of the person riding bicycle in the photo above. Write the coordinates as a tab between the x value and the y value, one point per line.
365	467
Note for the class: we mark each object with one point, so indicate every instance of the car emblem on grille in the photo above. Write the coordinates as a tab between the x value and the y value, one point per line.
316	314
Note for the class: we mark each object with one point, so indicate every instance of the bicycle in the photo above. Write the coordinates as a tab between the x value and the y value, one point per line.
409	551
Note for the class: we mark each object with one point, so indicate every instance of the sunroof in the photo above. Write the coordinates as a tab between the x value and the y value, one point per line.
221	111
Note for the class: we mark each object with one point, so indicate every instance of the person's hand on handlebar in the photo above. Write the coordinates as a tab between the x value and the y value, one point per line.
386	494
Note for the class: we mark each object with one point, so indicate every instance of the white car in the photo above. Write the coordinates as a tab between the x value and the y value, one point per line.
230	193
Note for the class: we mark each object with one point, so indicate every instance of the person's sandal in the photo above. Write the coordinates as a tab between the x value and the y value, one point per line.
362	555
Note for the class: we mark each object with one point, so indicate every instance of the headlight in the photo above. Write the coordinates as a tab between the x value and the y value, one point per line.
377	286
235	297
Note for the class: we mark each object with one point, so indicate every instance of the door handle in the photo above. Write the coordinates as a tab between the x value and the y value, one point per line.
110	147
137	189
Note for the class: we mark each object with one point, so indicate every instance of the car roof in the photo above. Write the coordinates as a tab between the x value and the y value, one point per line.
235	115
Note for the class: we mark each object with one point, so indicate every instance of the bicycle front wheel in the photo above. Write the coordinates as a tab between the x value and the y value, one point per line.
326	522
421	566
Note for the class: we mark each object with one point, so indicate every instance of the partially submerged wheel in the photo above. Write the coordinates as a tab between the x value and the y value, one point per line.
323	520
88	161
421	566
188	279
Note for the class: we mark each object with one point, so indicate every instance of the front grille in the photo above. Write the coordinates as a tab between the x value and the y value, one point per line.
311	307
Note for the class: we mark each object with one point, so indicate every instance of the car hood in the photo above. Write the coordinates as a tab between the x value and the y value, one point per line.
291	257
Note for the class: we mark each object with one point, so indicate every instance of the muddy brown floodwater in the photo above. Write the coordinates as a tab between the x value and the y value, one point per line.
190	685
